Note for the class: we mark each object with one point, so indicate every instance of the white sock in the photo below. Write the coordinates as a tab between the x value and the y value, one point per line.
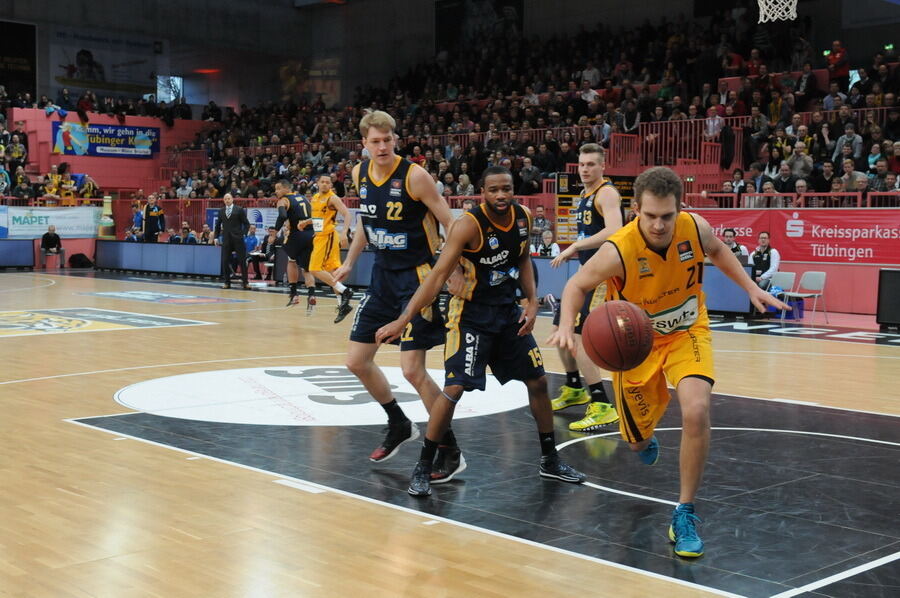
340	288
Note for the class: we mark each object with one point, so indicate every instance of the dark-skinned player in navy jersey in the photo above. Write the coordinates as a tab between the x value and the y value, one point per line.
399	213
599	215
486	326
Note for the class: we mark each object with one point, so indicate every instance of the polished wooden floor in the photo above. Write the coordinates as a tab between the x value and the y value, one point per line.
87	514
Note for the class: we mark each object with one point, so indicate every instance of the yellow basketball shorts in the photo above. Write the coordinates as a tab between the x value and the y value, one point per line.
326	253
642	395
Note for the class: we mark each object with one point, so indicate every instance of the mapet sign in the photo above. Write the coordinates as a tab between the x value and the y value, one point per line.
299	396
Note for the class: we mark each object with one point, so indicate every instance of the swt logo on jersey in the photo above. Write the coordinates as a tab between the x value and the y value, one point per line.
680	317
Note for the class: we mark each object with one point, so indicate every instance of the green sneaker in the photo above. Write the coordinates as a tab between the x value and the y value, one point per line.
598	415
569	396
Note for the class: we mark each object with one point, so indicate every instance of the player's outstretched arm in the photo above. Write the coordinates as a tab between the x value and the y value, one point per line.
725	260
605	264
462	231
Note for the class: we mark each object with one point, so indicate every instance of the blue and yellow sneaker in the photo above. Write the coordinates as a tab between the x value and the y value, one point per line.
650	455
598	415
569	396
683	531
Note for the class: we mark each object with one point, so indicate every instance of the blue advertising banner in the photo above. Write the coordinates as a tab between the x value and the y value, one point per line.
111	141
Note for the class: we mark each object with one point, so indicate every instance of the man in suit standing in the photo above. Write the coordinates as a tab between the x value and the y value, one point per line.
233	225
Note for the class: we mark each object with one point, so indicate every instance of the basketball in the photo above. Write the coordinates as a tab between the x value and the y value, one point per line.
617	336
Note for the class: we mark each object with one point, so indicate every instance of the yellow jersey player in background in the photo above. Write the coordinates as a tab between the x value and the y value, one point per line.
656	262
326	252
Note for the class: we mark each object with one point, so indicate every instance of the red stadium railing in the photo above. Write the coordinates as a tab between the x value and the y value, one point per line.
813	199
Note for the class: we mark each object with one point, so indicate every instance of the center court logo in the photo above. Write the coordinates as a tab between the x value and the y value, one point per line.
794	227
299	396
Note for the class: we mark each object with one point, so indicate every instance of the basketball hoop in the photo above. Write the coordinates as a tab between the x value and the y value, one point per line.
777	10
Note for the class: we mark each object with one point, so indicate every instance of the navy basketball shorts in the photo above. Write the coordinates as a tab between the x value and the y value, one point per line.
481	335
387	297
591	300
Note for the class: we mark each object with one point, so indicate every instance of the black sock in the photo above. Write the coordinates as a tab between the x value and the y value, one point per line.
311	290
598	393
429	448
449	439
293	288
573	380
394	412
548	444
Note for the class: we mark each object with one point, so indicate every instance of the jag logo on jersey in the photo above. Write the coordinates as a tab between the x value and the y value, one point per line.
382	239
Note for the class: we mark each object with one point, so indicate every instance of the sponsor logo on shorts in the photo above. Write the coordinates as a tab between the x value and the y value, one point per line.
685	252
636	397
471	352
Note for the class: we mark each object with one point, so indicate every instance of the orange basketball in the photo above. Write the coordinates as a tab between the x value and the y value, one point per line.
617	336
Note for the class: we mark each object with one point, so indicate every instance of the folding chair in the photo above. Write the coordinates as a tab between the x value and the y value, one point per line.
784	280
813	283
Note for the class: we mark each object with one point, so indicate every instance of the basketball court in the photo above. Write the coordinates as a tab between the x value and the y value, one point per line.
223	429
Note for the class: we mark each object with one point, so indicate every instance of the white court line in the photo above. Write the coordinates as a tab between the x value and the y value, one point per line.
631	494
301	486
775	430
52	282
839	576
584	557
164	365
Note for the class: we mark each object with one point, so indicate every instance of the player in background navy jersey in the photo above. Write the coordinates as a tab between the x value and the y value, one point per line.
599	215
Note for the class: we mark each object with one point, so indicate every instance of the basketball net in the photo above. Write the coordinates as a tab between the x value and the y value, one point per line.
777	10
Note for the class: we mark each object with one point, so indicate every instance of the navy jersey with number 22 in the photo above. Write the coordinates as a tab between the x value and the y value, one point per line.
400	228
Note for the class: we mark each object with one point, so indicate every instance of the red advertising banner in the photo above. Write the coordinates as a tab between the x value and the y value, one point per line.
836	236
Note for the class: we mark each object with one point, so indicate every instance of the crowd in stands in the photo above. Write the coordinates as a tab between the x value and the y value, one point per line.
580	88
87	101
597	80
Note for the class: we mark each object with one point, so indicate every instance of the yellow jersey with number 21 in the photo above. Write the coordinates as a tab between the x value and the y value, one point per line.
668	285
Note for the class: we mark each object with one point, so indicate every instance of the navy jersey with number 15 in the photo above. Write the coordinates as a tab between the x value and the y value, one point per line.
491	271
400	228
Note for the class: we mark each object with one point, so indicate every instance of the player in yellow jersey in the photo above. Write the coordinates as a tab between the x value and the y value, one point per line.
326	253
656	262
